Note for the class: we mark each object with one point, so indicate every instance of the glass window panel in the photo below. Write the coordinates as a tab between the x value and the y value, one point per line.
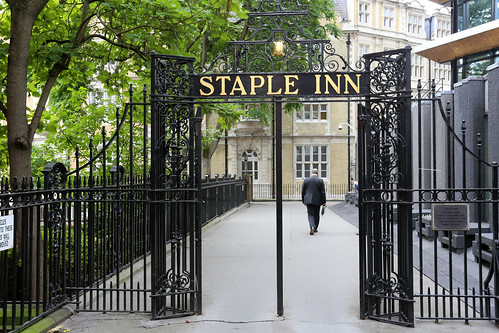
480	12
315	153
307	170
323	173
307	154
306	113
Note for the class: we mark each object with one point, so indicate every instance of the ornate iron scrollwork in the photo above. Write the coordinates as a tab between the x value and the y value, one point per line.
307	48
388	79
172	283
55	175
392	287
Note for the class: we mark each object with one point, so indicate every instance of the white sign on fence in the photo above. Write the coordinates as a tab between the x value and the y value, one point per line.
6	232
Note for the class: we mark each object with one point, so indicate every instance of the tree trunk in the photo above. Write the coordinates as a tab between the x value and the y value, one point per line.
19	133
23	16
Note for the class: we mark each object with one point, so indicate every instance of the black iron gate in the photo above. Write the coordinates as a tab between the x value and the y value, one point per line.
428	199
175	190
385	184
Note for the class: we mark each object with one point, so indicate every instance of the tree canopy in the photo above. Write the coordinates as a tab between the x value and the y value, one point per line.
60	52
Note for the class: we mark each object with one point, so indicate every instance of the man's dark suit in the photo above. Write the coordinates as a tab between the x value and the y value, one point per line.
313	194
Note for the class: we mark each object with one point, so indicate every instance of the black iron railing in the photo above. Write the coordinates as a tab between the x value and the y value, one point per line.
221	195
80	242
293	191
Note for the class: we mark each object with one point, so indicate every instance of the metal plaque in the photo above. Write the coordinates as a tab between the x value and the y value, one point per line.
450	216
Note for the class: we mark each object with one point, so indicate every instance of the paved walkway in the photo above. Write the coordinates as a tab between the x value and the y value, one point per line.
239	275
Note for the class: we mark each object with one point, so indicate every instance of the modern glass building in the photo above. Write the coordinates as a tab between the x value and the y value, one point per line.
474	43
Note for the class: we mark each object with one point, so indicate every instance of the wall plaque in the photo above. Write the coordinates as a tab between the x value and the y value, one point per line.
450	216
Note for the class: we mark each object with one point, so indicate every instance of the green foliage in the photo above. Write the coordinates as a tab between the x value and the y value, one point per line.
99	44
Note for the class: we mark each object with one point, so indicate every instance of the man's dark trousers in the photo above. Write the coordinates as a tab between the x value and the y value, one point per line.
313	216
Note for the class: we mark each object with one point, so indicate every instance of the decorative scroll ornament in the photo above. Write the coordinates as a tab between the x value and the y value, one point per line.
387	78
172	283
393	287
279	37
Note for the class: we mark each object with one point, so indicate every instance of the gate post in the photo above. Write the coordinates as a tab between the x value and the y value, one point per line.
385	197
175	183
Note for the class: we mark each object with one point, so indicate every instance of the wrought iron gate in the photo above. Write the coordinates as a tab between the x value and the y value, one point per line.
385	184
175	190
428	200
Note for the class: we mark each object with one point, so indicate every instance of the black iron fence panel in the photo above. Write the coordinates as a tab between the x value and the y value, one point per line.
293	191
221	195
455	213
86	237
87	242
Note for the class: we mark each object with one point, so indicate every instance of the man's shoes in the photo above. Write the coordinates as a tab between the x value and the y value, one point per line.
315	230
311	231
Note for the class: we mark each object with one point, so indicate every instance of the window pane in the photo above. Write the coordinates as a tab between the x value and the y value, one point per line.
315	153
307	153
323	173
255	175
307	170
323	154
306	112
316	112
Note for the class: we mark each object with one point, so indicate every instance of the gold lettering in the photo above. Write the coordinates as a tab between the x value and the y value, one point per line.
349	81
318	84
238	85
269	91
222	86
334	85
288	83
254	86
206	82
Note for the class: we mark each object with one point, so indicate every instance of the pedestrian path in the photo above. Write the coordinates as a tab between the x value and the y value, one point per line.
239	281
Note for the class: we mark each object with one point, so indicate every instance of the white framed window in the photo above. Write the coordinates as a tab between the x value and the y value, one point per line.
308	157
388	17
364	49
249	164
417	66
313	112
364	12
414	24
443	29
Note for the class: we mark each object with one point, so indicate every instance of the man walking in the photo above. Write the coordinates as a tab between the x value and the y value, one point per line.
313	194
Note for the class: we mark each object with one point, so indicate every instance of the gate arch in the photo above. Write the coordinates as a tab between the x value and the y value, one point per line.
273	61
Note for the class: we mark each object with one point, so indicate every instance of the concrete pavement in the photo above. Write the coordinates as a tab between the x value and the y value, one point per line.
239	281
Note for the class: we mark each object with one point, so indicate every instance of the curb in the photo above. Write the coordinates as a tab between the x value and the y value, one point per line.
50	321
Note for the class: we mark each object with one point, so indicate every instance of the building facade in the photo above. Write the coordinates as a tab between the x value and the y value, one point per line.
322	135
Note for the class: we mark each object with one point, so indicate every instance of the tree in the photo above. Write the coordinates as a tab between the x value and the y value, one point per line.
57	48
60	46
